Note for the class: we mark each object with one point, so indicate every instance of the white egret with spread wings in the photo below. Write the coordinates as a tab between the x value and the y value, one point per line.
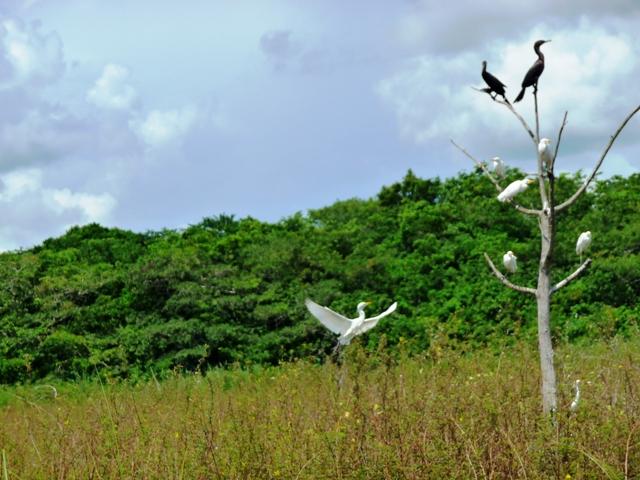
347	328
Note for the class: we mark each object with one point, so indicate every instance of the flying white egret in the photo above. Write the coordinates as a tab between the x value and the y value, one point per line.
509	261
544	149
514	188
347	328
584	240
576	400
498	166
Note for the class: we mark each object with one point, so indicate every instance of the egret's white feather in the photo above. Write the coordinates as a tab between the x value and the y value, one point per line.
584	240
498	166
513	189
509	261
330	319
576	400
369	323
544	149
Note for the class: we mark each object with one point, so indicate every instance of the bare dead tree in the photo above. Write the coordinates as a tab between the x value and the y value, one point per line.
547	221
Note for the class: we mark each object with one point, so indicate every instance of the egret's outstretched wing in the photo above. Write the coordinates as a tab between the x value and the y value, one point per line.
369	323
330	319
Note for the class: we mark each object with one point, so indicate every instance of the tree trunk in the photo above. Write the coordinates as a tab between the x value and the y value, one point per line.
547	219
543	297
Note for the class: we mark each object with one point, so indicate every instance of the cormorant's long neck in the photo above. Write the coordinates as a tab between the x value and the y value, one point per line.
540	54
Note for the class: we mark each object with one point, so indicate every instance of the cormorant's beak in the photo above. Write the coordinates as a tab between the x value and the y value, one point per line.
547	41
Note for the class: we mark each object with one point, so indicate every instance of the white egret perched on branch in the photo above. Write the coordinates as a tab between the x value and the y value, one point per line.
584	240
544	149
514	188
509	261
347	328
498	166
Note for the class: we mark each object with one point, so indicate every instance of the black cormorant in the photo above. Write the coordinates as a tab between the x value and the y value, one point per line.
532	76
495	86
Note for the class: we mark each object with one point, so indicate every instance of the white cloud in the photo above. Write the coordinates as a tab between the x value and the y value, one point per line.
37	124
426	103
112	90
18	183
32	210
412	29
160	127
30	56
94	208
423	25
36	136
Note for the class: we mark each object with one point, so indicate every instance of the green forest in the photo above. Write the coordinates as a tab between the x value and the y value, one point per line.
231	291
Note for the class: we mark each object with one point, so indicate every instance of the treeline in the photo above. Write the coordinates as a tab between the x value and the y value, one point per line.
231	290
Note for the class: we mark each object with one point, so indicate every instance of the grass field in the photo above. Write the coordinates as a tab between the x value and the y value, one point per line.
441	416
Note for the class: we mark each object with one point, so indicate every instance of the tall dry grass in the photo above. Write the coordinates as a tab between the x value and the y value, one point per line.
444	416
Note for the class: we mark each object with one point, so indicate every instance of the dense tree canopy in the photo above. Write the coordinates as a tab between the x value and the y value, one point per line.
231	290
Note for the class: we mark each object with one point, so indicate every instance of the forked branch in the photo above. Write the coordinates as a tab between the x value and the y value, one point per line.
571	277
485	170
500	276
584	186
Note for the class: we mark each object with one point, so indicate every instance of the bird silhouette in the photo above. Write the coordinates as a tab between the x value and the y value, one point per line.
496	87
533	75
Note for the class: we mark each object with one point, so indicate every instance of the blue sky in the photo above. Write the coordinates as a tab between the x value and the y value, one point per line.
150	114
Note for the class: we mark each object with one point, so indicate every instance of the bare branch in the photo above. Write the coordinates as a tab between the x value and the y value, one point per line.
551	183
485	170
571	277
519	117
555	153
513	110
504	280
484	90
584	186
479	164
544	197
